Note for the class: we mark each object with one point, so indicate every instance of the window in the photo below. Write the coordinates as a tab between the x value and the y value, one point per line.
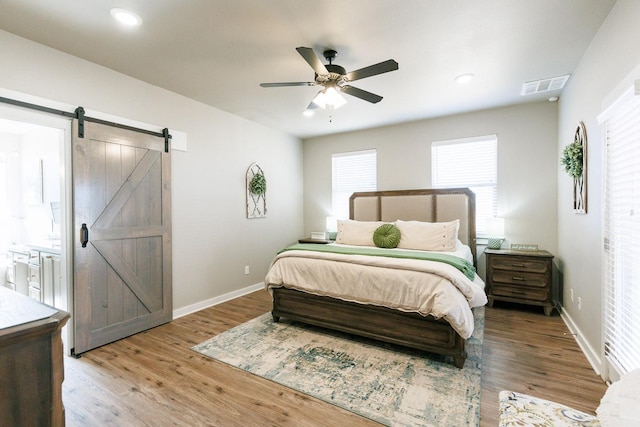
473	163
351	172
622	235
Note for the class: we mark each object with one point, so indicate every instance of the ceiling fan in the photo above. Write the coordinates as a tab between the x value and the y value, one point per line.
335	79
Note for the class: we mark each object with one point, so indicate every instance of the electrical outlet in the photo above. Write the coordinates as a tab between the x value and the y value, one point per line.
571	294
579	303
246	269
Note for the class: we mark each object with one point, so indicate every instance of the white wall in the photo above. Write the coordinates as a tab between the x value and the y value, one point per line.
611	58
212	238
11	205
39	145
527	165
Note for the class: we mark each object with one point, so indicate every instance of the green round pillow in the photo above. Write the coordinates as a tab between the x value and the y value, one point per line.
386	236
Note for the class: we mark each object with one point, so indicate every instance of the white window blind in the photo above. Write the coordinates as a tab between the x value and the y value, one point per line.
473	163
622	234
351	172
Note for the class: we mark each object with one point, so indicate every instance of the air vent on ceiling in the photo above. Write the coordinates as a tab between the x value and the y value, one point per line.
544	85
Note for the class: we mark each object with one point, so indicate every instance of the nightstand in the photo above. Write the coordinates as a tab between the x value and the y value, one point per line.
522	277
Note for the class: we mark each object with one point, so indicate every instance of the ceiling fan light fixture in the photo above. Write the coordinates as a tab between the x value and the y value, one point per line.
329	97
320	100
334	98
126	17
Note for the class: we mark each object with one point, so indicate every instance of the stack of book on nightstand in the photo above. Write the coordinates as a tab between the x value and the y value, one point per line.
316	237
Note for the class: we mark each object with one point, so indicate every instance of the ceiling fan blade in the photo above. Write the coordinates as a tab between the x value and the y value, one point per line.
284	84
309	55
373	70
362	94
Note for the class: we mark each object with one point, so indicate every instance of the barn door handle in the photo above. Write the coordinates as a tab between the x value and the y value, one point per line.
84	235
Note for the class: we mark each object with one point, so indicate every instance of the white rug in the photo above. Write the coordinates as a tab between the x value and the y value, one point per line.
389	384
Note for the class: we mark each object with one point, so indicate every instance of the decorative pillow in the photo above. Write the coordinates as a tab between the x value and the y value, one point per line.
517	409
359	233
428	236
619	405
386	236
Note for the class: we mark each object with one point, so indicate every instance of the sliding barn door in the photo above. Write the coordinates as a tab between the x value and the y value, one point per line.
122	233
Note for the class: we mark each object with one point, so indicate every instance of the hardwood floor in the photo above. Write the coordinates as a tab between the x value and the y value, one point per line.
154	379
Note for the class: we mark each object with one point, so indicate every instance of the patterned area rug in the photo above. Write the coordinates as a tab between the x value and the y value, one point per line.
389	384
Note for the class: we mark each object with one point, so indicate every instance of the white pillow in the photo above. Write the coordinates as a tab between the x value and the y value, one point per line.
359	233
619	405
428	236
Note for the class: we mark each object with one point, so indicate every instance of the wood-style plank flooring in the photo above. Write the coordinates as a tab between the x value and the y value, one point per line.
154	379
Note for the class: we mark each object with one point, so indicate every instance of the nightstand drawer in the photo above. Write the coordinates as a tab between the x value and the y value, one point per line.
535	294
514	263
519	278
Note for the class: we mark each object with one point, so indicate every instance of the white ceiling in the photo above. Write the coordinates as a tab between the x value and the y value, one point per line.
218	51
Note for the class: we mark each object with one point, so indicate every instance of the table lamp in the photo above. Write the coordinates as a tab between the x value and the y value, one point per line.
495	231
332	227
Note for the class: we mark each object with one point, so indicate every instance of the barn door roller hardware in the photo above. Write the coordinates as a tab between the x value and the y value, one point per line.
79	115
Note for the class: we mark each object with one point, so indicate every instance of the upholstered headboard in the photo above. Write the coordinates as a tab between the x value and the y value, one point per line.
429	205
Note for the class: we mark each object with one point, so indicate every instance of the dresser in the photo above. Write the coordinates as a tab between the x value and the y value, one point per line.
524	277
31	361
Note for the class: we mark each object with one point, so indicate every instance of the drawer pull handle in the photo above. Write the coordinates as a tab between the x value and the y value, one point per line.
517	265
520	279
518	292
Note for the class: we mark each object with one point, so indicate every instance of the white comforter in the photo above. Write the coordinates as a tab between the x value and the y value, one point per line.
426	287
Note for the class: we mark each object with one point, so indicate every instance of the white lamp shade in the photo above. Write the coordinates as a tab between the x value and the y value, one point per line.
334	98
332	223
329	97
495	227
332	227
320	100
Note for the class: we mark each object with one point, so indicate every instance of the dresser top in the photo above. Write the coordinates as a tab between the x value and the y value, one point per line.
17	309
539	253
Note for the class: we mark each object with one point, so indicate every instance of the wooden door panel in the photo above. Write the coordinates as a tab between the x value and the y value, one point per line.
142	284
123	275
132	193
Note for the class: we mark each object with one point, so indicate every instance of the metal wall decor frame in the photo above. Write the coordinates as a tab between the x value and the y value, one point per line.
580	183
256	203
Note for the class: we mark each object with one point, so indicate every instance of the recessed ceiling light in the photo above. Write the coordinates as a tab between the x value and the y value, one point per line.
464	78
126	17
308	113
553	98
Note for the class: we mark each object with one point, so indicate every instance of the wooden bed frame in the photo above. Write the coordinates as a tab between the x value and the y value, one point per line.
393	326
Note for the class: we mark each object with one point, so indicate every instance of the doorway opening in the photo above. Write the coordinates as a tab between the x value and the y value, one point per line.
35	194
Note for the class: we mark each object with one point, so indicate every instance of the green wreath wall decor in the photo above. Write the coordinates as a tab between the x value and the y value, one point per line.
256	190
258	184
572	159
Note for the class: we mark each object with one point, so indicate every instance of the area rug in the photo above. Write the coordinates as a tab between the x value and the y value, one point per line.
392	385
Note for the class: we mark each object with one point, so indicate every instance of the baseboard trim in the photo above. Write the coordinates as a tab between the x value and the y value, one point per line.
592	356
183	311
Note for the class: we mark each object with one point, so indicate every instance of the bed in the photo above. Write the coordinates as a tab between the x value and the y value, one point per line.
316	284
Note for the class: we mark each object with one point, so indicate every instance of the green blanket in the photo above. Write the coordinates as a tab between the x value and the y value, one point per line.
461	264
